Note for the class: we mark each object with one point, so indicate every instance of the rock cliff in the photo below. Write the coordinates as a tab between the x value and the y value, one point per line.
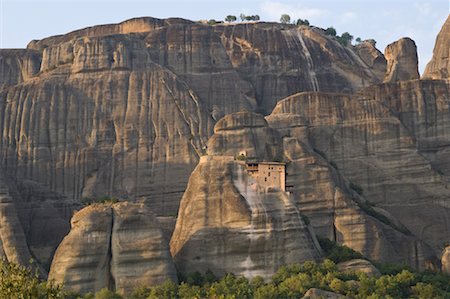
226	225
119	246
381	140
402	61
127	110
439	66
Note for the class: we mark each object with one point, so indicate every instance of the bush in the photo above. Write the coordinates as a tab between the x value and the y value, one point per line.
102	199
301	22
107	294
285	19
17	281
330	31
230	19
241	157
212	22
338	253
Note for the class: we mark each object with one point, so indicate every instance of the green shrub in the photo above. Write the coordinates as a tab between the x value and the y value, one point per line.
107	294
330	31
17	281
338	253
230	19
285	19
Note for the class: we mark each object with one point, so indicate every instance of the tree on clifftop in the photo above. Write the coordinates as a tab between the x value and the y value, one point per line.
330	31
230	19
285	19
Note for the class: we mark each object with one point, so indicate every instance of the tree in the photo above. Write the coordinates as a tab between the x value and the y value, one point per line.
330	31
285	19
17	281
347	36
212	22
358	40
230	19
242	17
301	22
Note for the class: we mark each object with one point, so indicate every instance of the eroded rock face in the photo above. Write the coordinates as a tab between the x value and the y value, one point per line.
224	224
402	61
17	66
119	246
439	66
126	109
377	139
445	260
359	265
282	59
372	57
318	293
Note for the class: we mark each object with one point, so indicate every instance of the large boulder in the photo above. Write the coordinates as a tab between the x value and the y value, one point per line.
359	265
119	246
314	293
402	61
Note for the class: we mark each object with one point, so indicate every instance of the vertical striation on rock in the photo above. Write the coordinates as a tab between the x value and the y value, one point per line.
439	66
119	246
402	61
224	224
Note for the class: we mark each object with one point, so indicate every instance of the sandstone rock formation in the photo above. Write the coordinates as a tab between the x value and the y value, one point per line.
375	145
402	61
439	66
322	294
282	59
13	244
226	225
359	265
372	57
445	260
125	109
119	246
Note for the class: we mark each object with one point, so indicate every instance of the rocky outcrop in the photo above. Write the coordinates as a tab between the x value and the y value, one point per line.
282	59
375	139
126	109
226	225
119	246
314	293
372	57
445	260
13	244
439	66
402	61
17	66
359	265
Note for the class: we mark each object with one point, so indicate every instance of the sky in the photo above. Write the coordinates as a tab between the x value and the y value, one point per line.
385	21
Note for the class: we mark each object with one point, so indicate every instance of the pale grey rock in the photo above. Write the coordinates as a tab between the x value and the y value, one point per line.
120	246
315	293
226	226
359	265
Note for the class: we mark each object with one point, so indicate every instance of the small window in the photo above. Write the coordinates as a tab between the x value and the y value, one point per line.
269	174
265	179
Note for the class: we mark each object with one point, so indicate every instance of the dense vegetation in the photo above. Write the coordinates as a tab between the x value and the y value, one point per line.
289	282
23	283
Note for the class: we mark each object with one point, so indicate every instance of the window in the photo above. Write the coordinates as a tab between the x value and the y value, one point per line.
269	174
265	179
